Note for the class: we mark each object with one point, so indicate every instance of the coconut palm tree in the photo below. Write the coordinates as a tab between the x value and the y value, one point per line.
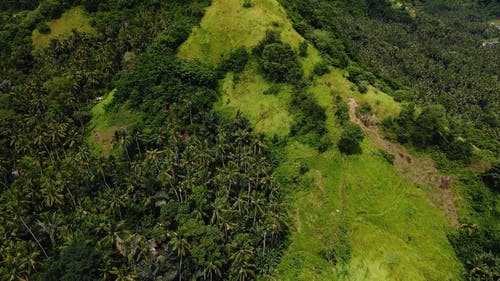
180	244
211	267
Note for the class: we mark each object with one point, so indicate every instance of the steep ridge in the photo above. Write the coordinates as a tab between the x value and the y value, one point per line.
357	209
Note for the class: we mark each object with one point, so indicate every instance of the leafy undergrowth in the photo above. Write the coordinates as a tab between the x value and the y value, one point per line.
74	18
104	124
355	217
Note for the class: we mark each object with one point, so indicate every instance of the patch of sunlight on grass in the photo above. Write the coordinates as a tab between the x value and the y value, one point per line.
308	63
74	18
104	124
244	92
382	104
227	26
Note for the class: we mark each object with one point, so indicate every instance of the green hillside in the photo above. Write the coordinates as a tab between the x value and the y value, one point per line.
392	229
249	140
73	19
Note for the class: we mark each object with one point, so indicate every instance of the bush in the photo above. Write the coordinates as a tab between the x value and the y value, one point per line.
78	261
342	112
430	126
272	36
458	149
91	5
403	95
363	86
357	74
364	109
303	49
51	8
492	178
350	138
389	157
279	63
273	90
237	60
43	28
247	4
321	68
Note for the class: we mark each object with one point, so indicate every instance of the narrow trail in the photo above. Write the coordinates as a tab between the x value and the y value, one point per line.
421	171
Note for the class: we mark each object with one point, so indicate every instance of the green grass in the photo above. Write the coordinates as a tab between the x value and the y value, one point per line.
268	113
382	104
227	26
74	18
104	124
394	231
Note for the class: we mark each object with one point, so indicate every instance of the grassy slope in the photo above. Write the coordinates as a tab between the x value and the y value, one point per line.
74	18
394	231
104	124
266	112
220	32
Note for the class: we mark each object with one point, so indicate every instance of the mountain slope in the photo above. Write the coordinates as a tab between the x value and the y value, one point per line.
355	217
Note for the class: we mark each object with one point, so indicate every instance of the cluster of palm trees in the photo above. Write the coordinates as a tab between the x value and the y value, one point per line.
213	206
225	186
199	185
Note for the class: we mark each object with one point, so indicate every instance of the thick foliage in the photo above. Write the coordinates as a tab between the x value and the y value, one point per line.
350	139
278	61
186	194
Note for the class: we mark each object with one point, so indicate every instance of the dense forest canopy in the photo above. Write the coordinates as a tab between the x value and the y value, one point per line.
192	193
431	47
187	192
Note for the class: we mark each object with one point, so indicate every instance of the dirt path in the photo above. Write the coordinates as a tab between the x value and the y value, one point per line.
421	171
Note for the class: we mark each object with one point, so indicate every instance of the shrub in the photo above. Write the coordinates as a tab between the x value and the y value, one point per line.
272	36
247	4
273	90
363	86
91	5
430	126
389	157
492	178
403	95
303	49
43	28
342	112
364	109
237	60
279	63
51	8
350	138
321	68
458	149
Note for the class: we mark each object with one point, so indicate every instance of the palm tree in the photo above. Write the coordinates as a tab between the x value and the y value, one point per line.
122	274
242	262
33	235
245	271
180	244
211	267
122	138
100	168
153	155
114	200
51	191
